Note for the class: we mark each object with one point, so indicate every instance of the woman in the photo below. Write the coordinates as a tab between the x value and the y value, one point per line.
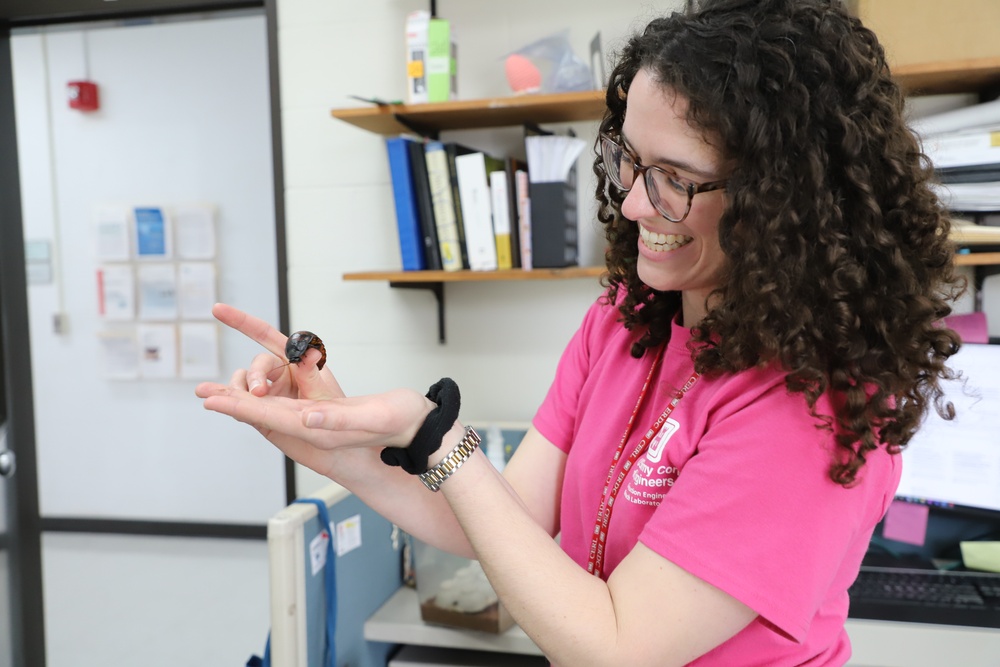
722	435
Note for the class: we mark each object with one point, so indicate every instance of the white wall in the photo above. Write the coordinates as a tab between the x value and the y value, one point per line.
504	340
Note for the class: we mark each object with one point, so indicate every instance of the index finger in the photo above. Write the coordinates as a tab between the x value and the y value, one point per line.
252	327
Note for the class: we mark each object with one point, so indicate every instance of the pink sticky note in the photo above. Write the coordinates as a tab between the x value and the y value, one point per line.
906	522
970	327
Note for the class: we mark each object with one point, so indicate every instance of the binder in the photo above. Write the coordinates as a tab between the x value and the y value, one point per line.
411	236
425	206
446	222
474	190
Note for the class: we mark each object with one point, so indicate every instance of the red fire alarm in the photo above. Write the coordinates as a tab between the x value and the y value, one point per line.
82	95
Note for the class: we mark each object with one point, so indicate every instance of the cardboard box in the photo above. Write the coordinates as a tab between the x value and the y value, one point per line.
431	59
454	592
916	32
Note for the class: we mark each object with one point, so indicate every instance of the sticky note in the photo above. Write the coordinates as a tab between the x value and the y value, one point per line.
906	522
348	535
981	556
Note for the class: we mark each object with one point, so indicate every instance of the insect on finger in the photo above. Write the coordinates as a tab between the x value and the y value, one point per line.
299	342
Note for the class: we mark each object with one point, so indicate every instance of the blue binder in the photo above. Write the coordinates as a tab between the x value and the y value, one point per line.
411	238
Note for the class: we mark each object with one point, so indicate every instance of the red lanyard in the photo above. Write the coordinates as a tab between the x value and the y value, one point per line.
595	563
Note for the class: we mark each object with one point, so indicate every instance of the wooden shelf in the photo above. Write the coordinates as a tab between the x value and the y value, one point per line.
477	276
390	119
431	118
434	281
953	76
977	259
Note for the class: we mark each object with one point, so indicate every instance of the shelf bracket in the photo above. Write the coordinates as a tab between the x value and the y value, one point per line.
438	289
428	132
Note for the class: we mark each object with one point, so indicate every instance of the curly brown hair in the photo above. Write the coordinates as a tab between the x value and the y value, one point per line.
839	263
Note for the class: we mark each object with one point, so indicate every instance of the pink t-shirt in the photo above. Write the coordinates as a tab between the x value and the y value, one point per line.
737	491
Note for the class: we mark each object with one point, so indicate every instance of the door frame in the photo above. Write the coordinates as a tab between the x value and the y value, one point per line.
27	619
22	502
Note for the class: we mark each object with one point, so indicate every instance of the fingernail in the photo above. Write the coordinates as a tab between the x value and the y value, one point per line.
314	419
254	384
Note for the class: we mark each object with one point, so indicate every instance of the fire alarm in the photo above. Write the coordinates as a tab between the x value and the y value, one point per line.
82	95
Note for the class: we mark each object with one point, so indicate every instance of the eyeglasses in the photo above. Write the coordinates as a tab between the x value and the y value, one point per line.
669	193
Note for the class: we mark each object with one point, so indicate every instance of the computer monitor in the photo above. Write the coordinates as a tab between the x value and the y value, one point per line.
955	465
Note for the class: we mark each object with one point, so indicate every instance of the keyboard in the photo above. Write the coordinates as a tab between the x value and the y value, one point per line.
927	596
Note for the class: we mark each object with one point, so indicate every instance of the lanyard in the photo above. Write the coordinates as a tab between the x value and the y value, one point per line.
595	562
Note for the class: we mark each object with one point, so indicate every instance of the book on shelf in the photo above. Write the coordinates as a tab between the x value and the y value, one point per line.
500	199
521	193
425	205
473	171
451	151
511	166
446	220
410	231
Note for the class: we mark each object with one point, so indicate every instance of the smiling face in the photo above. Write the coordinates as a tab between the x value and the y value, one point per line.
683	256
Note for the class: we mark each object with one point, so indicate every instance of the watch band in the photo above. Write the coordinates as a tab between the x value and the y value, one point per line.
436	476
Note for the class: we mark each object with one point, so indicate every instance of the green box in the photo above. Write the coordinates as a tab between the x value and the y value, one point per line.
431	53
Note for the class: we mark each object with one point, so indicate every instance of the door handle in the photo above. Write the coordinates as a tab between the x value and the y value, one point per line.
8	463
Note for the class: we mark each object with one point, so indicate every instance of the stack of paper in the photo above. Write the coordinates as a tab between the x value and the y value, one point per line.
552	156
964	146
970	197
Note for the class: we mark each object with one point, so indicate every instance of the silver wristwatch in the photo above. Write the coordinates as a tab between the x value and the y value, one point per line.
434	477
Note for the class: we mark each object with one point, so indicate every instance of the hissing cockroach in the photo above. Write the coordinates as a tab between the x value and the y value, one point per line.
299	342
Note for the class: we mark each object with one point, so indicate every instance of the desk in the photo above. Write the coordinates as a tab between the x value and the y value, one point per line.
876	643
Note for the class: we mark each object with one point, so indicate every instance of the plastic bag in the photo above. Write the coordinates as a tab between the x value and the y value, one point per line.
559	68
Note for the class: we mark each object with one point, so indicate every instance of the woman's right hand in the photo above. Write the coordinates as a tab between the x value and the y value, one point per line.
270	374
302	410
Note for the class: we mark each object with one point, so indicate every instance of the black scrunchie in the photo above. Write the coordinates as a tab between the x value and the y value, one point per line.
413	459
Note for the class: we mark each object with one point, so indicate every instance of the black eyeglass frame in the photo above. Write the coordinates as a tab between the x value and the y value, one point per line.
645	171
